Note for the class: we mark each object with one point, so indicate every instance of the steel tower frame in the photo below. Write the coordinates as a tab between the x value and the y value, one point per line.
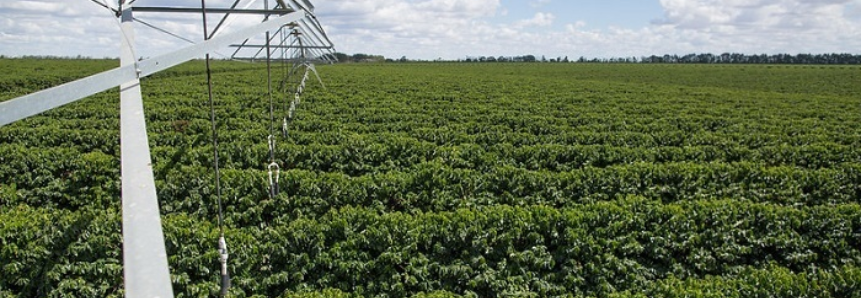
145	267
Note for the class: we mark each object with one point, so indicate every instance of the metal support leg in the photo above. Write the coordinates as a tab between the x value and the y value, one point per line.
144	257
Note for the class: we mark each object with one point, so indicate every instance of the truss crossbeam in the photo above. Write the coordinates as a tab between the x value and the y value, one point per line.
35	103
211	10
257	46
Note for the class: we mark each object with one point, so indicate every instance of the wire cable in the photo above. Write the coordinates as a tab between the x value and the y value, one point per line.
163	30
117	13
222	244
105	5
214	31
269	87
214	129
273	183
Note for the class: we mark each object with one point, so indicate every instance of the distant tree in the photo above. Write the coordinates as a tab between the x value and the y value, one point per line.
341	57
403	59
359	57
529	58
739	58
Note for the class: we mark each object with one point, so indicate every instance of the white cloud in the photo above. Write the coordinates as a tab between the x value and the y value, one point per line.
426	28
763	25
540	19
749	26
452	29
785	14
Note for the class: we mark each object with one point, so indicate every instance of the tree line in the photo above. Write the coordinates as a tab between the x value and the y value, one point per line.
738	58
345	58
725	58
704	58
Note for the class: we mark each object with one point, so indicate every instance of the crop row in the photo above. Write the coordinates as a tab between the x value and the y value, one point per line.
67	179
435	187
596	249
509	180
358	156
103	135
361	154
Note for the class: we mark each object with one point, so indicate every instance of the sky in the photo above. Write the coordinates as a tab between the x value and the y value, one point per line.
456	29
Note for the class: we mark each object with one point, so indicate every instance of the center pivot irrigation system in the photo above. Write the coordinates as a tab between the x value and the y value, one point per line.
292	36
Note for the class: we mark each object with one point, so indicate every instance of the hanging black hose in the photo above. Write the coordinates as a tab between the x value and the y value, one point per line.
269	88
222	244
273	183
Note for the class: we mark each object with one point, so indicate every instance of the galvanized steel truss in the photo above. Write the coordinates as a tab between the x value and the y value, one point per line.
146	271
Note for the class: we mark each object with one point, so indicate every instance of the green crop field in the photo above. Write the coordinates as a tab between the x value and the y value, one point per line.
449	180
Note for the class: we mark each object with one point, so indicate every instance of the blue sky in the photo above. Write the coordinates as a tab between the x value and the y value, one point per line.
452	29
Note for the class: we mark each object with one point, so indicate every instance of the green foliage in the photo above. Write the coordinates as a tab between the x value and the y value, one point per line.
454	180
59	253
771	281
